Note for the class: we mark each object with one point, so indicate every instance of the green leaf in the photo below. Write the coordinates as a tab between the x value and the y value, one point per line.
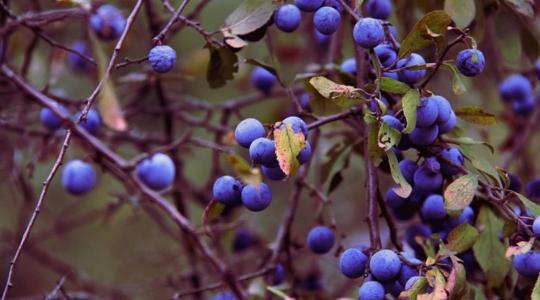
461	11
436	279
523	7
536	290
342	95
410	102
461	238
520	248
455	284
393	86
476	293
109	105
249	16
242	169
431	28
465	140
404	189
460	193
488	249
388	137
533	207
288	145
475	115
458	87
221	67
478	157
212	211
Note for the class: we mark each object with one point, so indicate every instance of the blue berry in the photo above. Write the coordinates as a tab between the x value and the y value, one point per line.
327	20
50	120
515	183
533	188
256	197
368	33
162	58
78	177
427	112
386	54
348	66
352	263
527	264
287	18
380	9
75	61
428	178
304	100
455	157
515	88
243	240
320	239
444	109
385	264
411	281
424	136
408	168
247	131
263	151
470	62
433	208
336	4
92	122
224	296
309	5
393	122
408	75
392	75
393	287
305	153
279	275
466	216
448	125
263	80
297	124
108	22
407	272
393	200
523	107
227	190
157	171
417	230
536	226
275	174
371	290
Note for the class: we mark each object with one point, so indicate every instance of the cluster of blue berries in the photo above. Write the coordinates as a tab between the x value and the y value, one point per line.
326	17
517	91
52	122
108	22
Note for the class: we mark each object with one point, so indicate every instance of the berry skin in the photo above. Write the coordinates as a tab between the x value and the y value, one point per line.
352	263
50	120
304	100
92	122
515	183
108	22
527	264
393	122
305	154
243	240
427	112
348	66
297	124
162	58
408	168
275	174
455	157
368	33
227	190
424	136
371	290
466	216
287	18
533	188
78	177
524	107
392	75
411	76
536	227
380	9
409	284
433	208
448	125
428	178
470	62
247	131
279	275
393	287
157	171
256	198
309	5
444	109
263	151
327	20
408	272
75	61
515	88
320	239
385	264
386	54
224	296
263	80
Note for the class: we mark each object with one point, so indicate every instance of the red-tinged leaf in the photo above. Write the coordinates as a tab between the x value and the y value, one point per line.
460	193
455	283
520	248
437	281
288	145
